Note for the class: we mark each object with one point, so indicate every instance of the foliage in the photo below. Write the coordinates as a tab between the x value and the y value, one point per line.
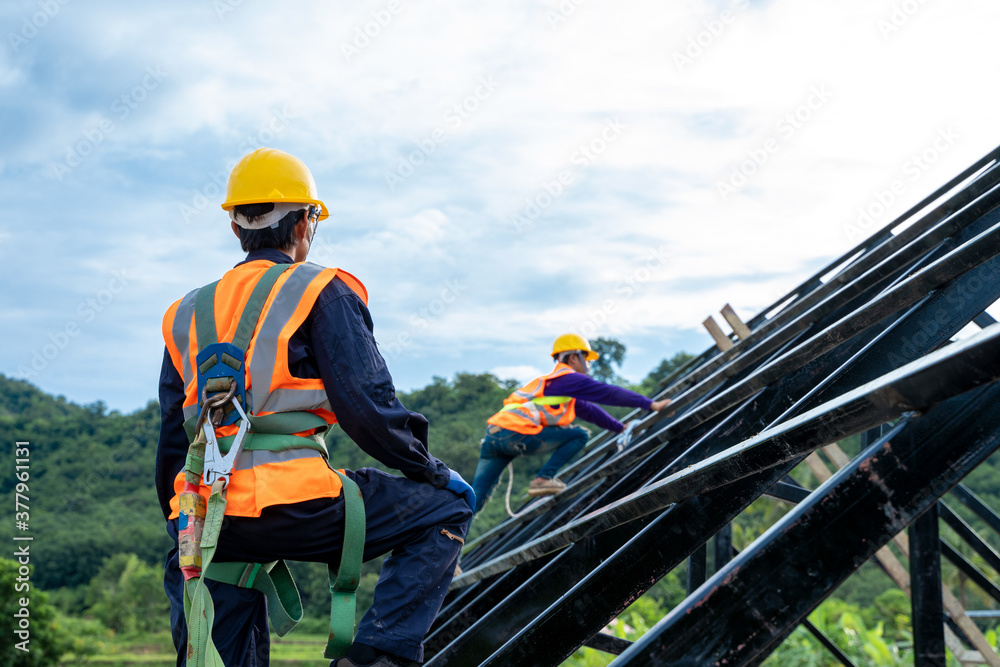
650	385
612	354
88	637
877	636
90	485
127	596
47	641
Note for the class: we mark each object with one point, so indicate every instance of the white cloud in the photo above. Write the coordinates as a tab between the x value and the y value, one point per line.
656	185
522	374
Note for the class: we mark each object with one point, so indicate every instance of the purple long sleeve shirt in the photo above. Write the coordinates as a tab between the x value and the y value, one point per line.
588	391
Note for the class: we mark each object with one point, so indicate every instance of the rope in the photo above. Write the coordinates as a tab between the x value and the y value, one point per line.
510	485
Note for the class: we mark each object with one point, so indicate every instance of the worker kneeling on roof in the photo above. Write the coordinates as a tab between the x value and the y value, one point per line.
538	417
258	366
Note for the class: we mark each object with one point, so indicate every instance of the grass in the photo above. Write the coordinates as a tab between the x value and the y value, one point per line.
157	650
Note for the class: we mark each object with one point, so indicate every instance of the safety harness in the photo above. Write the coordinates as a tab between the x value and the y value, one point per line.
222	392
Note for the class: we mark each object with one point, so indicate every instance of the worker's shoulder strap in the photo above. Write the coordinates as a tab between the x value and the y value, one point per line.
204	308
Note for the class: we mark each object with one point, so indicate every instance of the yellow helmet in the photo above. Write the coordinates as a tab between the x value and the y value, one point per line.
570	341
270	175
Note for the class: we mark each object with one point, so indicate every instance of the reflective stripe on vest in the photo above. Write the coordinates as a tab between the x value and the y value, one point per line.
262	478
528	410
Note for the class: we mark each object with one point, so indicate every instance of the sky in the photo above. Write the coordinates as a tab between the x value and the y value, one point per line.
498	173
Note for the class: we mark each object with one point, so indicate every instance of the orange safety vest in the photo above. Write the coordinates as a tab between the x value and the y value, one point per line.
528	410
262	478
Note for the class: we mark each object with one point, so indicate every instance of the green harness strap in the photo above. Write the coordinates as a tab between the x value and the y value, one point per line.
544	400
204	308
344	582
274	580
199	611
270	433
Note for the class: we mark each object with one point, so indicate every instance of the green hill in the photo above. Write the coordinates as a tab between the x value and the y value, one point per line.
90	485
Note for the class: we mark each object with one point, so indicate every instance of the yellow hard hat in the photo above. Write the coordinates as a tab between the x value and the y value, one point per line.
571	341
270	175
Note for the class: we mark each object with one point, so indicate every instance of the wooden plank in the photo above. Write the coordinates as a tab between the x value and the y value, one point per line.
739	328
721	340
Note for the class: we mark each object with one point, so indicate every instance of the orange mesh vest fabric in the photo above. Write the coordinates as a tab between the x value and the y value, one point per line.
261	478
530	418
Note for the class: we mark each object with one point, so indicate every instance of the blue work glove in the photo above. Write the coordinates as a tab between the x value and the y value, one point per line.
459	486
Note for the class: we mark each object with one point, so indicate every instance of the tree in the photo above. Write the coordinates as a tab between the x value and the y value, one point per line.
651	384
46	641
126	595
612	354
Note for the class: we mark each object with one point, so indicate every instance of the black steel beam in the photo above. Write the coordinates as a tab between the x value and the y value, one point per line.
969	536
984	319
978	507
827	643
697	568
742	615
608	643
789	493
974	574
925	591
723	547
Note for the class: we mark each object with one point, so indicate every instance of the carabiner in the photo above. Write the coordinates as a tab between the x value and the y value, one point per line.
218	466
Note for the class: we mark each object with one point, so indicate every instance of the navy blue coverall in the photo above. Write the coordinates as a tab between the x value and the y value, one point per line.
415	517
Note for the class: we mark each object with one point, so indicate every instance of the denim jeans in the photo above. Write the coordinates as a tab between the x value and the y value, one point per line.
502	447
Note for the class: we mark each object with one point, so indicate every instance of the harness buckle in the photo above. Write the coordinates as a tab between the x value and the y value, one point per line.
217	465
